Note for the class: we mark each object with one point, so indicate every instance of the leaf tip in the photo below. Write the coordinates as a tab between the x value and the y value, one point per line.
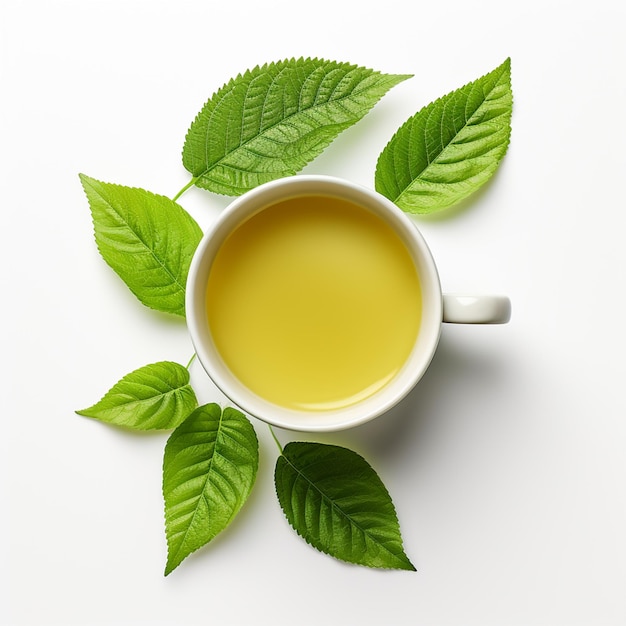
408	566
87	412
505	66
84	179
169	568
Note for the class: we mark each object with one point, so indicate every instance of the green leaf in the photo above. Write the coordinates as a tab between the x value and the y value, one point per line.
209	468
338	504
147	239
272	120
153	397
451	147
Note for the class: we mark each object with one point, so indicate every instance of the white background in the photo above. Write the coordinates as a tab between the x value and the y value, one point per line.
507	463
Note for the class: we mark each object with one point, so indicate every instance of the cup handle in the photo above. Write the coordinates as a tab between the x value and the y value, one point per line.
466	309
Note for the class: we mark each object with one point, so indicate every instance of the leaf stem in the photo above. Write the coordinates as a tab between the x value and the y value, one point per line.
191	183
191	360
275	439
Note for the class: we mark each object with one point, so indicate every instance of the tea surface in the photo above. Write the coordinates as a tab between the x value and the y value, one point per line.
314	303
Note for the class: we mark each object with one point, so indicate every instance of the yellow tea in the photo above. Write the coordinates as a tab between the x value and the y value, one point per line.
314	303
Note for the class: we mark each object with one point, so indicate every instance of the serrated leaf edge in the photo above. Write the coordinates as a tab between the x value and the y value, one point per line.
401	558
89	412
169	567
87	181
505	66
198	178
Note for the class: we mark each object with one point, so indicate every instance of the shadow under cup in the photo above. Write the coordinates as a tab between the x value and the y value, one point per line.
255	201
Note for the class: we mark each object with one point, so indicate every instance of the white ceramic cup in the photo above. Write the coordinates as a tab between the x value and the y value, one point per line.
436	307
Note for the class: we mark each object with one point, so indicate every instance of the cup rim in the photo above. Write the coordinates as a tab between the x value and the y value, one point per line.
261	197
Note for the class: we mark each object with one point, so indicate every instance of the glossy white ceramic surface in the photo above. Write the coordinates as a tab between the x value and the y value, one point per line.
335	419
483	309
